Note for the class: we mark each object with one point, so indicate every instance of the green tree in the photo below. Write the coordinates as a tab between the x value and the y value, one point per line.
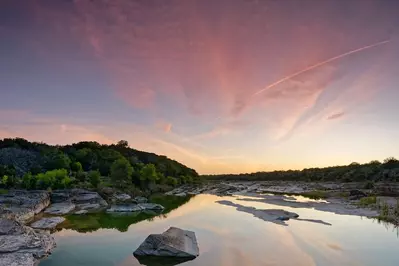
171	181
76	167
121	172
29	181
94	177
87	158
149	173
57	160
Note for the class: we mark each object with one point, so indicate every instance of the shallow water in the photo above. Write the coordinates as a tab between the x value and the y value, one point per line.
228	237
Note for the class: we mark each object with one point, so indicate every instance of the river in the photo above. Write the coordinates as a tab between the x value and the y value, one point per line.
229	237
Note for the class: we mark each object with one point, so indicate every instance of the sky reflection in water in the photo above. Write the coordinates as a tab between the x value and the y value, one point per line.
228	237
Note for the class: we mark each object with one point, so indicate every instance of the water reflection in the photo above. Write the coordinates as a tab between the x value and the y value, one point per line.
121	221
227	237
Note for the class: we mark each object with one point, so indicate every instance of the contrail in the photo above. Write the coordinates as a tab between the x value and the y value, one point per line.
317	65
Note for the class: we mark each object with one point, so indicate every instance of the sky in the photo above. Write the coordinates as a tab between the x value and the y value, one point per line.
226	86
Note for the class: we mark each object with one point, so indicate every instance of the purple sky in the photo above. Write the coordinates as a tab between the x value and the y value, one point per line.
203	81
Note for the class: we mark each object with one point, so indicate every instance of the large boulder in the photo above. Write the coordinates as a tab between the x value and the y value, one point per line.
21	245
174	242
60	208
47	223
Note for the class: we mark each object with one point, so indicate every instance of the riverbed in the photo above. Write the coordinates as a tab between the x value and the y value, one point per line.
229	236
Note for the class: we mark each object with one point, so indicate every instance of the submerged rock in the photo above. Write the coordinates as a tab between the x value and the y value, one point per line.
47	223
174	242
21	245
60	208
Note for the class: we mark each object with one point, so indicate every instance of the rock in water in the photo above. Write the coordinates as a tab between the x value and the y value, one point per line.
174	242
47	223
60	208
151	206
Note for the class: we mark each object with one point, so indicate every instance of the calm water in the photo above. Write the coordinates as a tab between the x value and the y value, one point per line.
227	237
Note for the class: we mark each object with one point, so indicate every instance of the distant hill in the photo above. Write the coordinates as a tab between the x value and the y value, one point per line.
19	157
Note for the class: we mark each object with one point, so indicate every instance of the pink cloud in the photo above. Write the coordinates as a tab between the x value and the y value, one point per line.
164	126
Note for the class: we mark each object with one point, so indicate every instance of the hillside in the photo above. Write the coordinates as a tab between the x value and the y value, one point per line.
35	165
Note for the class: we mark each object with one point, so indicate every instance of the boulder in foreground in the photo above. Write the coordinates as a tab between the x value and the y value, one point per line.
47	223
174	242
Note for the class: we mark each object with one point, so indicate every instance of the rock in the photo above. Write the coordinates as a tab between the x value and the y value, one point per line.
174	242
21	245
269	215
182	194
81	212
10	227
356	194
125	208
89	206
151	206
60	208
22	205
140	199
78	197
17	259
122	197
48	223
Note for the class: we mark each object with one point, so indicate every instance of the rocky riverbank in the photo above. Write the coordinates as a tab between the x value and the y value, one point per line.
378	201
25	236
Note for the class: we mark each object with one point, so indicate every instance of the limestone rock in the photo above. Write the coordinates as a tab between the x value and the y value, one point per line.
60	208
47	223
140	200
22	205
17	259
122	197
81	212
89	206
125	208
151	206
21	245
174	242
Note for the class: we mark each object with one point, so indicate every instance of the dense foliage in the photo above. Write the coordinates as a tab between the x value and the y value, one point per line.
33	165
373	171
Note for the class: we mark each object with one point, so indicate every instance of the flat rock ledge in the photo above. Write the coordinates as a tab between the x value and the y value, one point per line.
21	245
60	208
136	207
47	223
174	242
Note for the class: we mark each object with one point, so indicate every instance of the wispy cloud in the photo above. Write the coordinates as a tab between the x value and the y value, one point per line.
336	116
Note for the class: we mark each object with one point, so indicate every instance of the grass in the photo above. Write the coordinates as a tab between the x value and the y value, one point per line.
367	201
3	191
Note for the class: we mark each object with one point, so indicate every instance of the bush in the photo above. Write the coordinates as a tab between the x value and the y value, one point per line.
76	167
53	179
94	177
366	201
121	172
29	181
172	181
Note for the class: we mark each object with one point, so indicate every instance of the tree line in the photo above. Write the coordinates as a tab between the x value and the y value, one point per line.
374	171
87	164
